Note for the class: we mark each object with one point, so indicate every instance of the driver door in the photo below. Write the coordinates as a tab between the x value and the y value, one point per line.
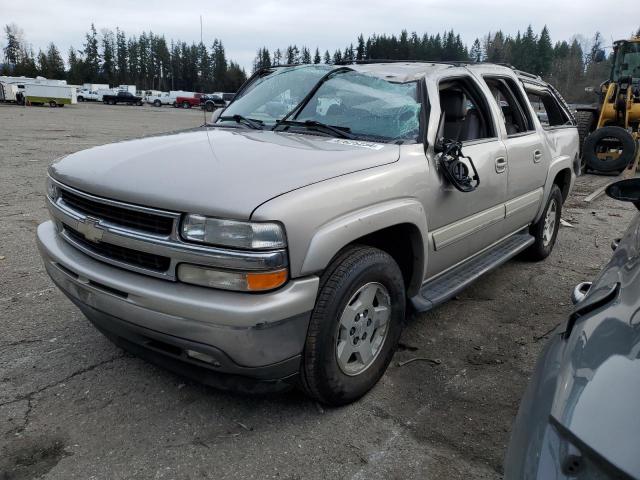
462	224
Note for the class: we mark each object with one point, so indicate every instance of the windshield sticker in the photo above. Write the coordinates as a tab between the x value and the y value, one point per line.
356	143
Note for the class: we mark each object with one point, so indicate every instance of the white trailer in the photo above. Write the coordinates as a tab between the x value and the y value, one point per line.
53	95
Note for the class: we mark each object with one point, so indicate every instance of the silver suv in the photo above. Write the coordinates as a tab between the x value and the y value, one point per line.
283	243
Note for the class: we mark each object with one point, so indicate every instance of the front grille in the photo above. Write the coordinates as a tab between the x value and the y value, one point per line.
146	222
144	260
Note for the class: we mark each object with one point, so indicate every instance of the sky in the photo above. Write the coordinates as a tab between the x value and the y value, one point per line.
246	25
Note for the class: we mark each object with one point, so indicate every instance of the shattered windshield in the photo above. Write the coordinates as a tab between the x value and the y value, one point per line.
364	105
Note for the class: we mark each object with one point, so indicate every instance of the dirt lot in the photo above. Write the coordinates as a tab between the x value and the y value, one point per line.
72	405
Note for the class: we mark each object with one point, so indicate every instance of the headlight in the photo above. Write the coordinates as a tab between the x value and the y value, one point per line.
52	189
232	233
232	280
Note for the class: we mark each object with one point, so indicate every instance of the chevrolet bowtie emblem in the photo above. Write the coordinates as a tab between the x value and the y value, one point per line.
90	229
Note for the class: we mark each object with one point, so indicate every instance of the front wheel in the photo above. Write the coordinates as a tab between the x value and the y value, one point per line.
157	103
545	230
186	105
354	327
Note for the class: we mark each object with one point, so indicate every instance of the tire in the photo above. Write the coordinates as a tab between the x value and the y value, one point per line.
186	105
105	102
209	107
618	135
584	120
139	103
357	271
175	104
545	238
157	103
81	99
52	103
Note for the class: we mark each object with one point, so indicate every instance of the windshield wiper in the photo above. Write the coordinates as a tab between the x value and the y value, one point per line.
249	122
341	132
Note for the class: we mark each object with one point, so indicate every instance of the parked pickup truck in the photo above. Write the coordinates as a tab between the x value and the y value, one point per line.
122	97
284	243
87	96
212	102
188	102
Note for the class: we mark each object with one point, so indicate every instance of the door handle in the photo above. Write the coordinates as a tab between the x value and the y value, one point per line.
501	164
537	156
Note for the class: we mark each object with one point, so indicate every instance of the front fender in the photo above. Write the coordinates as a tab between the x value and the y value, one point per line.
334	235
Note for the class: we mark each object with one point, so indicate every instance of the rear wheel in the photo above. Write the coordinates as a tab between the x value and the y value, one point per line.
209	107
52	103
186	105
545	230
355	326
157	103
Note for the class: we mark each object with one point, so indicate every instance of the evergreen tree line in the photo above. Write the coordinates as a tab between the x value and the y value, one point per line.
147	61
570	66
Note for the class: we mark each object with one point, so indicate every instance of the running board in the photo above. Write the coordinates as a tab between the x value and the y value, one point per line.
451	283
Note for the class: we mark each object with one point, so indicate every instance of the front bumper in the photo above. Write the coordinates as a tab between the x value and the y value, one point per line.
250	335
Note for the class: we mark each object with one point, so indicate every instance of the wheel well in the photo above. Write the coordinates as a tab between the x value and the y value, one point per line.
404	243
563	180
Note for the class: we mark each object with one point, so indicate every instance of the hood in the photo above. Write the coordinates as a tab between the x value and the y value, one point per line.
219	172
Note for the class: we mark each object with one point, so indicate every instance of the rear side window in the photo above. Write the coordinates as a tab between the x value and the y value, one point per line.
512	105
548	109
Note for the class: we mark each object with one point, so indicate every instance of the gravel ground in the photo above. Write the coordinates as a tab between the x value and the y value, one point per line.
72	405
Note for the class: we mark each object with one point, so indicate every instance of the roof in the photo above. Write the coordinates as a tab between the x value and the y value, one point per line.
411	70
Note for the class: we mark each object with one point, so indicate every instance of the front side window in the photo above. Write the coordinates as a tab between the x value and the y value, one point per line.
466	116
360	104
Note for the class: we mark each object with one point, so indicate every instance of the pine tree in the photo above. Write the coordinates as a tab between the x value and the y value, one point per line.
327	57
76	69
316	57
545	53
13	48
476	51
360	49
55	64
108	69
43	68
122	54
91	56
277	57
305	56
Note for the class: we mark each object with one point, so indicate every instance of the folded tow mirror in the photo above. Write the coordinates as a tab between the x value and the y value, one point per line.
626	191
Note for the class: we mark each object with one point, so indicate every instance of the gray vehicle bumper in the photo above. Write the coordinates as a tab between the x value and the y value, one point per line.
260	336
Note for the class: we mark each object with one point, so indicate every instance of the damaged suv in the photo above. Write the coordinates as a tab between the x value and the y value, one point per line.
283	243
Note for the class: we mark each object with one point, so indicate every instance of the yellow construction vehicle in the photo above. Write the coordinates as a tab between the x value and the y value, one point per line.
609	131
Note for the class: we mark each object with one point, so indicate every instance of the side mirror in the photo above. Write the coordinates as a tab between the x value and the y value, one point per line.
626	191
216	114
438	146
